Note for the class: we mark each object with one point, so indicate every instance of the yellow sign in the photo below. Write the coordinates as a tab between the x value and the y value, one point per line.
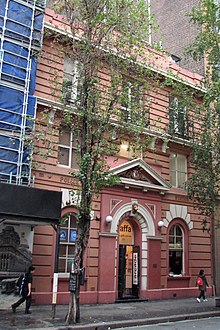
125	233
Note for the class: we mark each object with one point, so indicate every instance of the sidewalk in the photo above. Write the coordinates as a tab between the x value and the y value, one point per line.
109	316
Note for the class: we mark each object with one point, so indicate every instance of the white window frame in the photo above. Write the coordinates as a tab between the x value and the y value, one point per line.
129	86
75	73
177	249
175	173
71	148
174	121
67	244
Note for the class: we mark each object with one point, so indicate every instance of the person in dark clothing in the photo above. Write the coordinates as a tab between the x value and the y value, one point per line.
26	292
202	284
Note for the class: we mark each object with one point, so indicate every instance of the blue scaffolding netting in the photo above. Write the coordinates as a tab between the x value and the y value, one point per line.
21	31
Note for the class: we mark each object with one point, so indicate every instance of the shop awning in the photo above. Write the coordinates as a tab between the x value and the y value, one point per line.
29	205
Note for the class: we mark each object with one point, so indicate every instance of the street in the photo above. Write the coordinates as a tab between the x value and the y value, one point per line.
212	323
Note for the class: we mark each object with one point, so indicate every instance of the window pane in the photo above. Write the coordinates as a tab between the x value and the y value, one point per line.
61	267
181	163
173	163
68	65
72	250
125	92
171	239
75	159
175	262
179	243
63	156
172	230
173	179
73	221
178	230
73	234
62	251
181	180
64	136
69	267
63	235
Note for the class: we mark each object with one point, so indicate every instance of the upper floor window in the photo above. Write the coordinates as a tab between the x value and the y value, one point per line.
131	100
68	148
217	14
176	250
72	81
68	234
178	117
178	170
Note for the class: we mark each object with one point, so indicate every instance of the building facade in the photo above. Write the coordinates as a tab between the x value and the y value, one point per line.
176	32
146	238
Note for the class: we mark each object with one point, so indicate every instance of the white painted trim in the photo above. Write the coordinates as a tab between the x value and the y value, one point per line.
145	219
142	213
178	211
161	185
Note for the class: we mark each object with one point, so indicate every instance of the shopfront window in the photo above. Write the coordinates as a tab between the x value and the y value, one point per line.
176	251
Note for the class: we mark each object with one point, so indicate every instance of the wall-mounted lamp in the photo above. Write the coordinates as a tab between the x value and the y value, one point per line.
108	219
160	224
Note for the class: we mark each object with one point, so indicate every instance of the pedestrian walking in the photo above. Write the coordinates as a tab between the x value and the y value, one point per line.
202	284
25	291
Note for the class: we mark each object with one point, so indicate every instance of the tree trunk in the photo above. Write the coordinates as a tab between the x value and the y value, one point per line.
73	314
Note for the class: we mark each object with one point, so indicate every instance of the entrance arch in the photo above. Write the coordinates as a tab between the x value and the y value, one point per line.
147	227
143	216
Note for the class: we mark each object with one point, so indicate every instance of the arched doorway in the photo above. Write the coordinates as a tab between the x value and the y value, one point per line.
143	227
129	260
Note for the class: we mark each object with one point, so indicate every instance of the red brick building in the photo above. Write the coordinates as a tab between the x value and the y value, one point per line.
146	239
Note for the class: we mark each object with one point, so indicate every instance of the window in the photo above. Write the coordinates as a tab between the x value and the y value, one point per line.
217	15
131	101
176	240
72	81
178	170
68	234
68	148
178	118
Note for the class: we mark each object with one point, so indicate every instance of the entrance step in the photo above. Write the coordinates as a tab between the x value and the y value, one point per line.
127	300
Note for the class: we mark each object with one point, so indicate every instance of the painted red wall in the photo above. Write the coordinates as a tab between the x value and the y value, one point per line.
154	263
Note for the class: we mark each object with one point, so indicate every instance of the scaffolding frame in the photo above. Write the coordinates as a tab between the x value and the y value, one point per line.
21	31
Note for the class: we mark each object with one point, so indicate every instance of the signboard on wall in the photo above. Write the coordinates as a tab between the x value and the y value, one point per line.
73	282
135	268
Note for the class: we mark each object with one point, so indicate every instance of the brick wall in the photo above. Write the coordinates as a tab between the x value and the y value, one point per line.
175	29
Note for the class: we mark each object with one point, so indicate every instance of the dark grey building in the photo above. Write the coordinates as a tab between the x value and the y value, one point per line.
176	31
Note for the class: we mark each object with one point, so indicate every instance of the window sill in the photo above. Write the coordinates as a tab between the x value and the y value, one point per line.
178	277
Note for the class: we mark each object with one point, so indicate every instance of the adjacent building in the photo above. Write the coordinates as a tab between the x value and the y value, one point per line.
176	31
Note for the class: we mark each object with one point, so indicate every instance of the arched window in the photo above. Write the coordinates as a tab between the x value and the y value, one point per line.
67	243
176	250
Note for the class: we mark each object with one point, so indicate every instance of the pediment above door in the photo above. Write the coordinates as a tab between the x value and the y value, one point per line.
138	174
